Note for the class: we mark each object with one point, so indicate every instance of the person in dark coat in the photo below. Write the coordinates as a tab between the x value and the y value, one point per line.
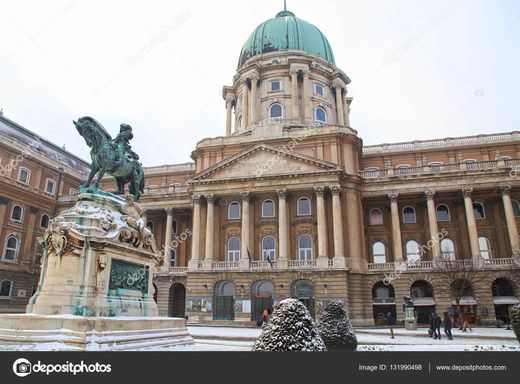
436	326
430	331
390	321
447	326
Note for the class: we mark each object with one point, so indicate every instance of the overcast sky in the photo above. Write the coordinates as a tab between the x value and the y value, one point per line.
419	69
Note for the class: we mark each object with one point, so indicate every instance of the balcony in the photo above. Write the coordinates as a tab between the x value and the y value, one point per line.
175	271
301	264
428	265
262	265
225	265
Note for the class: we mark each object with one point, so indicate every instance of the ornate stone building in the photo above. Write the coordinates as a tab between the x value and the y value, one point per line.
290	203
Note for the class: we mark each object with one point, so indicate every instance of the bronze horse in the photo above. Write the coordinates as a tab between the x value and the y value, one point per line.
107	158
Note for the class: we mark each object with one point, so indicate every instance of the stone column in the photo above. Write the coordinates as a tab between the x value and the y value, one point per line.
472	224
27	253
346	111
210	231
322	222
337	224
195	243
244	259
254	81
338	86
3	209
306	99
510	218
168	238
245	107
283	228
432	221
294	95
229	108
396	227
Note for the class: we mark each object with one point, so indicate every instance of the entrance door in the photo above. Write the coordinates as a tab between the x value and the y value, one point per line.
224	308
177	301
262	293
303	290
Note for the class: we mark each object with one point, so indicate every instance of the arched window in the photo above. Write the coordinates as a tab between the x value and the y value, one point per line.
173	255
412	251
5	288
175	227
234	210
305	251
371	172
485	247
239	122
443	213
17	213
403	169
516	207
275	111
448	249
376	216
268	248
379	252
11	248
303	206
436	167
320	115
268	208
409	215
478	210
149	225
382	292
421	288
233	252
471	164
44	222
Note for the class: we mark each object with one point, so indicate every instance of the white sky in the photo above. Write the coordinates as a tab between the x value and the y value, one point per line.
419	69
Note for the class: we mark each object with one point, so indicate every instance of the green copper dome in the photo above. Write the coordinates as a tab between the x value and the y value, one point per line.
286	32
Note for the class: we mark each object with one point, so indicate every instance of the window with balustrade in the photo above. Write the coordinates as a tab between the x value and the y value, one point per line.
484	247
375	216
234	210
412	251
305	249
173	254
409	216
443	213
448	249
379	252
233	249
268	248
403	169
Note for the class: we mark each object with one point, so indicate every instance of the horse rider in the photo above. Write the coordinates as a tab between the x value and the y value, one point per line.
122	142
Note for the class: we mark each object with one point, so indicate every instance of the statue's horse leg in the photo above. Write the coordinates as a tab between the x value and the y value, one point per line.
100	175
91	174
120	186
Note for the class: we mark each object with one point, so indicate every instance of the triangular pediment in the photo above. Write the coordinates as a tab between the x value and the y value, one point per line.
265	161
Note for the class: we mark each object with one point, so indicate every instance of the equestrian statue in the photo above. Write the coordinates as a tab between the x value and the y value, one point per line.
114	156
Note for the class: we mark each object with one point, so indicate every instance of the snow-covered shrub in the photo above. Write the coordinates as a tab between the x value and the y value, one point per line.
514	313
336	329
290	328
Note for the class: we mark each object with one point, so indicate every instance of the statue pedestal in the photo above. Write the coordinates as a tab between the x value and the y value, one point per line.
96	282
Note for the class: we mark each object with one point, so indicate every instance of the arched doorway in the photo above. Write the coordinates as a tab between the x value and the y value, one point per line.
421	293
383	301
467	306
262	293
224	301
503	298
303	290
177	301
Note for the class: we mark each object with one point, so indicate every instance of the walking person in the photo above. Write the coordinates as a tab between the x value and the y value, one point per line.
447	326
430	331
436	326
390	321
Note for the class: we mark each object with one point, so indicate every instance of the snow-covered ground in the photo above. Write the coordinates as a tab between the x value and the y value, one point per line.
369	339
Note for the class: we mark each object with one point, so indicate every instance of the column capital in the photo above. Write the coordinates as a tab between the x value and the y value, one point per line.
253	76
430	194
245	196
169	210
335	189
282	193
230	97
393	197
337	83
467	191
505	189
210	198
320	190
196	199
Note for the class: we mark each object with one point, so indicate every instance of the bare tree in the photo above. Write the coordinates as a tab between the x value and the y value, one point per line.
455	278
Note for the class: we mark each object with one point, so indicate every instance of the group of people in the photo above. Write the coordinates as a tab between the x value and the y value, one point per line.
435	325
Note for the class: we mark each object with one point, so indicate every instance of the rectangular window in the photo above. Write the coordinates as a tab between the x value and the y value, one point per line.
24	175
319	90
275	85
50	187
